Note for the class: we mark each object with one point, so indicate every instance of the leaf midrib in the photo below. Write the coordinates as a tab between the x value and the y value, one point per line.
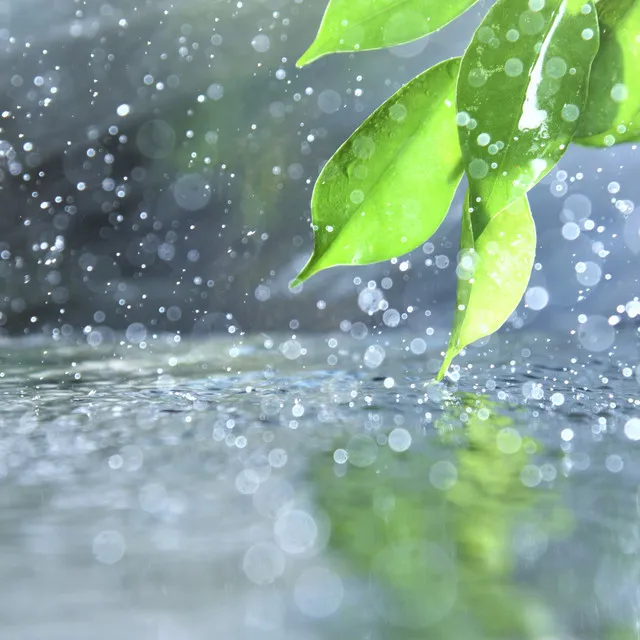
509	152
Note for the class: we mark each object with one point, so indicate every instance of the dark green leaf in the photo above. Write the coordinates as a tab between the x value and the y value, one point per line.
390	185
493	272
611	114
628	131
361	25
522	85
611	12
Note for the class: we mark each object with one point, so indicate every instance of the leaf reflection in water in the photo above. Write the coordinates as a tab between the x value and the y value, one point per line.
440	528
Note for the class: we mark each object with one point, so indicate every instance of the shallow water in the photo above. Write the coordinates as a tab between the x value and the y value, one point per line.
270	487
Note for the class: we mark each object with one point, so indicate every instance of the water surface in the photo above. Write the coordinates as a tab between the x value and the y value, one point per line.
318	487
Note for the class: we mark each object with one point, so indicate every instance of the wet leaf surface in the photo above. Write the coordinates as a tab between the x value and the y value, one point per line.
360	25
522	86
612	111
388	188
493	273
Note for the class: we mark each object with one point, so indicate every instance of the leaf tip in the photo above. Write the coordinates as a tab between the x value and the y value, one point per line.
446	363
307	57
296	282
307	271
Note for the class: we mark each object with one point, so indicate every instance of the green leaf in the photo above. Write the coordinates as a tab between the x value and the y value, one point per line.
390	185
612	112
523	83
493	272
362	25
627	131
611	12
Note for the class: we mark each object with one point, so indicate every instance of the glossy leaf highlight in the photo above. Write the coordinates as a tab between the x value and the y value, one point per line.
390	185
522	86
361	25
493	272
612	112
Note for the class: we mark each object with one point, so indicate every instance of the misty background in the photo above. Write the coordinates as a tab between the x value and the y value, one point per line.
157	162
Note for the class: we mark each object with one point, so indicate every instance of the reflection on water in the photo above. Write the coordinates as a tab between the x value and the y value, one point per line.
438	528
231	490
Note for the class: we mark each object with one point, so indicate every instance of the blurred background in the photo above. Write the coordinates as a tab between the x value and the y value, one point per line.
156	165
157	161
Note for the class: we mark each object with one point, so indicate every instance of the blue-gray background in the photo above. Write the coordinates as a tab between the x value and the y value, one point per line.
156	165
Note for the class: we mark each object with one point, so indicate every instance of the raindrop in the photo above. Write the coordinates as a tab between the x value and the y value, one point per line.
614	464
596	334
508	441
513	67
613	187
556	67
478	168
625	207
531	476
362	450
619	92
291	349
109	547
570	231
318	592
356	196
192	192
399	440
136	332
261	43
263	563
477	77
340	456
443	475
374	356
577	207
215	91
262	292
632	429
329	101
536	298
391	317
295	532
277	458
418	346
531	22
588	273
247	482
570	112
398	112
462	119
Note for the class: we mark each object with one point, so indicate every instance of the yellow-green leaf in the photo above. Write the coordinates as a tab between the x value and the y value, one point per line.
493	273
